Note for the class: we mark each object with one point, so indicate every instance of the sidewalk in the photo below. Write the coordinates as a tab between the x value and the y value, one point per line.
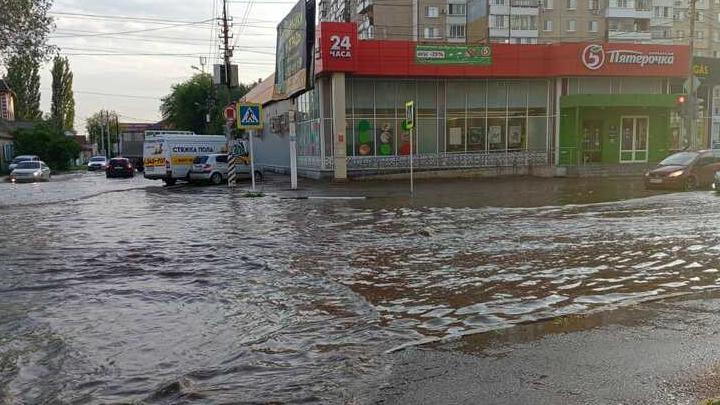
470	192
664	352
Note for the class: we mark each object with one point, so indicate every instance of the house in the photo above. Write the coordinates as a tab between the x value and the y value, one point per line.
8	125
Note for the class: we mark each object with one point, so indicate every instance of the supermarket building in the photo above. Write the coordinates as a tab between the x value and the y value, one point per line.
504	108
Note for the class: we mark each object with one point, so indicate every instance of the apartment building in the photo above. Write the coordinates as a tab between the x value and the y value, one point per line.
532	21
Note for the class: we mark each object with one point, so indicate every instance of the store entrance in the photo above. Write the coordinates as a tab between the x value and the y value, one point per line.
634	144
592	141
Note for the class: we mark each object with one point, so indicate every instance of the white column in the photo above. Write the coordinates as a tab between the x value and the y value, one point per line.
293	149
339	126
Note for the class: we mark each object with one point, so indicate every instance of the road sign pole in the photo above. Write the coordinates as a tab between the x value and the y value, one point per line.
410	125
252	160
293	151
412	182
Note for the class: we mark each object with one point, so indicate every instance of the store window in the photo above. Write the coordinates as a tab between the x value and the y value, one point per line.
476	115
385	117
497	115
364	117
456	100
428	112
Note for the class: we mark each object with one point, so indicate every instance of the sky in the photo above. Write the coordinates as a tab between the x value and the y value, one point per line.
129	72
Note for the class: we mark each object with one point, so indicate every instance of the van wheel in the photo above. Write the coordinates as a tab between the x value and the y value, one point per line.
216	178
258	176
169	182
691	183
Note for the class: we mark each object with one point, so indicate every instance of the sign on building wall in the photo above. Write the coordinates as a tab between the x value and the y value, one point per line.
295	39
596	57
453	54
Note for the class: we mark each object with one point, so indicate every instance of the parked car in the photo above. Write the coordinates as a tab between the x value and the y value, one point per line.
22	158
97	163
214	169
119	167
685	170
30	171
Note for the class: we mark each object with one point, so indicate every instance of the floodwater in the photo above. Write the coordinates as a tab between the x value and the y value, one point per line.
122	291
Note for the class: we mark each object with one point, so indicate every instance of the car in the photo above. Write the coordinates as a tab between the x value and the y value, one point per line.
688	170
97	163
119	167
214	169
30	171
22	158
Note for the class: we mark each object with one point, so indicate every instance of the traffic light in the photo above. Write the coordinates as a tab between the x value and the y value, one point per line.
699	106
682	106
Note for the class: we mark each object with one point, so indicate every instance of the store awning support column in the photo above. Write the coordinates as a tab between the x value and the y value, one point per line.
339	126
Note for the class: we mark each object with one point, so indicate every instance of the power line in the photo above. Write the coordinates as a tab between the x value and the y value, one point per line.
136	31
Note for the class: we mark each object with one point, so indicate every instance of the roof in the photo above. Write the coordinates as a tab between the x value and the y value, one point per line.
262	93
4	88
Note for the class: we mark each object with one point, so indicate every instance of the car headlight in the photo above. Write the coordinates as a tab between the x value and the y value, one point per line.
36	174
676	173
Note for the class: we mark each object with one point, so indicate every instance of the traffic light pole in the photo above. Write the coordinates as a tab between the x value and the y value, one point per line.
691	101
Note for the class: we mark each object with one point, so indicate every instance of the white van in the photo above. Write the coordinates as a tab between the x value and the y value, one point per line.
169	155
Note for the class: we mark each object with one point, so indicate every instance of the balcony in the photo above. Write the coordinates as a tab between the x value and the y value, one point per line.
629	36
364	5
619	12
496	9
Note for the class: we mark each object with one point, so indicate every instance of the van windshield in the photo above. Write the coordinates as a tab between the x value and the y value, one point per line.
199	160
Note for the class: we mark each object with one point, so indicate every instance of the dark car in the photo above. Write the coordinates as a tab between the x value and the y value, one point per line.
119	167
685	170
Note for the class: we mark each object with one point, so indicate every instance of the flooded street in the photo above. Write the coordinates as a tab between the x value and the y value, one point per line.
127	291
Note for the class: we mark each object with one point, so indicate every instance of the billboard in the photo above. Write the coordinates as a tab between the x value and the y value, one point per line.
295	40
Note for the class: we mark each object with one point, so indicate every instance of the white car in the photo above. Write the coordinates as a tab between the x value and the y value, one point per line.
22	158
214	168
97	163
31	171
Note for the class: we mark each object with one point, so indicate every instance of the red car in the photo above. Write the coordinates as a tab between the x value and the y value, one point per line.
685	170
119	167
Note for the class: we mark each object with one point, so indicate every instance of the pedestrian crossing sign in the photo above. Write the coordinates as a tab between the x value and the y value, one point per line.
250	116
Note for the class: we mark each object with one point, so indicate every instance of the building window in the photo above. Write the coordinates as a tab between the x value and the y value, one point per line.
571	4
523	22
432	32
592	26
456	9
666	12
699	35
680	35
700	16
718	17
571	25
499	21
432	12
593	4
716	36
547	25
666	33
456	31
548	4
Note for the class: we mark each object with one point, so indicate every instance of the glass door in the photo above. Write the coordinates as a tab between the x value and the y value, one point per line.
634	139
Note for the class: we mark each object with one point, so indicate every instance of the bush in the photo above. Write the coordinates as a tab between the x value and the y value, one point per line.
48	142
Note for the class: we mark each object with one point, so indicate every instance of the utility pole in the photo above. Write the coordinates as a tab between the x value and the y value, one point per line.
692	99
102	133
228	53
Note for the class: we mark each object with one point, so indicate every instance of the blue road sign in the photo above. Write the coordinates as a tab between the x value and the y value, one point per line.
250	116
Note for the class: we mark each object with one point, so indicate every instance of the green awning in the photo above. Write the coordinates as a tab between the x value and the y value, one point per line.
620	100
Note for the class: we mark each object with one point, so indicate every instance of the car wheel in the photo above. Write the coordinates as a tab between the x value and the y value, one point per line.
169	182
691	183
216	178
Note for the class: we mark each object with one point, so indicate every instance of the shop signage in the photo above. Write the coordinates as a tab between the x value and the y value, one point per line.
453	54
293	61
340	46
595	57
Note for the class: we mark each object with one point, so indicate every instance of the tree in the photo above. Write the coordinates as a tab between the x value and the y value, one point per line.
62	109
24	28
189	104
24	79
94	125
48	142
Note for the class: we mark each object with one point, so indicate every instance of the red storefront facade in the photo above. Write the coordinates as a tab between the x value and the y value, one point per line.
481	106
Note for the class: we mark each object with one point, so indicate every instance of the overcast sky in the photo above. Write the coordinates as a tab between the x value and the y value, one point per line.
134	77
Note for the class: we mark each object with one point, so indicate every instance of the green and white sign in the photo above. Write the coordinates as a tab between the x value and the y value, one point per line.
453	55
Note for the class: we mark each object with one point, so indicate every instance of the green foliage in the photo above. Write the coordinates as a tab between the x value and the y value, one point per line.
94	124
24	79
48	142
24	28
62	109
190	102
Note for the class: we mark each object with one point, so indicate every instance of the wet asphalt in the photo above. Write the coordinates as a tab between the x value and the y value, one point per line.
471	291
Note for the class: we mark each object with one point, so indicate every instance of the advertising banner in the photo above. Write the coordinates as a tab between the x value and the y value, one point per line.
295	39
453	54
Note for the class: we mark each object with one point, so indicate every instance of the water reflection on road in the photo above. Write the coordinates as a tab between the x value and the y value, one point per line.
193	293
